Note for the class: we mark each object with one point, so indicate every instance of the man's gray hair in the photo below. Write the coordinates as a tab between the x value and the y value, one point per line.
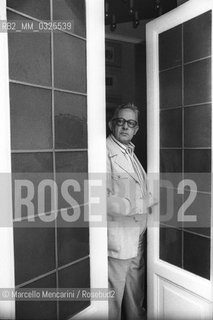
129	105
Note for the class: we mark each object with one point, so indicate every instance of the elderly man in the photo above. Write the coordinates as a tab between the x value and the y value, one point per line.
127	205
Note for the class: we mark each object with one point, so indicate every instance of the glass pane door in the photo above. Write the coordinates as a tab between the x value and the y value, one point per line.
185	144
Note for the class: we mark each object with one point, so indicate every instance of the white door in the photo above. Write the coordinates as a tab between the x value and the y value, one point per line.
179	82
96	141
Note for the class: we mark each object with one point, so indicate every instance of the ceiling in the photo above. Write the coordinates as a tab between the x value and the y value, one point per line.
146	9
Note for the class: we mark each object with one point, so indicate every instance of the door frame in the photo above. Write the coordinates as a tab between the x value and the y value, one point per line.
7	308
96	104
157	267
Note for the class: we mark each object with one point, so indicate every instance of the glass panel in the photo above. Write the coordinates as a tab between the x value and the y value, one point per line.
197	79
73	241
197	160
171	166
171	122
72	165
170	203
71	162
170	160
39	9
34	250
69	63
33	167
197	37
170	54
197	124
201	208
31	117
40	247
32	162
197	260
81	279
34	310
171	88
171	245
29	55
185	140
71	10
70	121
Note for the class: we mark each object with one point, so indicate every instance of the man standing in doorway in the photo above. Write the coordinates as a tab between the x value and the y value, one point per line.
127	205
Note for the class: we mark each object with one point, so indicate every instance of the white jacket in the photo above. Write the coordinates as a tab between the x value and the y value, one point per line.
126	207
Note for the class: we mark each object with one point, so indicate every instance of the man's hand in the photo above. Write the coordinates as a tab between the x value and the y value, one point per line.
155	203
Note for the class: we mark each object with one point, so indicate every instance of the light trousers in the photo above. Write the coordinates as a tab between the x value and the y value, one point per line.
127	278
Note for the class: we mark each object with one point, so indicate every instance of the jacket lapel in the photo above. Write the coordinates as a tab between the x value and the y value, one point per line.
120	159
124	164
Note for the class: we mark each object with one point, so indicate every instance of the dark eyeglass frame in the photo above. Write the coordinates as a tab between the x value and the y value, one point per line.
130	123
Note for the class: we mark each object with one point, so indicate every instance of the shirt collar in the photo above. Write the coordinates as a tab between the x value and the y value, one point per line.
124	148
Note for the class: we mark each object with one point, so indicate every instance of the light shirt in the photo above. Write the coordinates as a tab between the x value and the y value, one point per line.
128	150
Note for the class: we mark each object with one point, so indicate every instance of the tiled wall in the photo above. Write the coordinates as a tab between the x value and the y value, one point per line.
48	102
185	141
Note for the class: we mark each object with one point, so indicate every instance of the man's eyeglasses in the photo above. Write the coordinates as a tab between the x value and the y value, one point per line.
121	121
